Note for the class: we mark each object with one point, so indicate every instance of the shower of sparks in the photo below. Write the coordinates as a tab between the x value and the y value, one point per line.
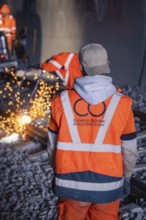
37	107
40	105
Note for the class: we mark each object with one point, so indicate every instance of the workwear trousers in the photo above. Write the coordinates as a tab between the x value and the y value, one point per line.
75	210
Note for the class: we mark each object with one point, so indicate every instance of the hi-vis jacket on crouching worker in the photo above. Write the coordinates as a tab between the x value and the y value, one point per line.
66	66
92	133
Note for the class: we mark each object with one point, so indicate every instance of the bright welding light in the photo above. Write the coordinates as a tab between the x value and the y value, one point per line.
25	119
11	138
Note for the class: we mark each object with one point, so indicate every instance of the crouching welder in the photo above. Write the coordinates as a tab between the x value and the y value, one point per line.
66	65
92	133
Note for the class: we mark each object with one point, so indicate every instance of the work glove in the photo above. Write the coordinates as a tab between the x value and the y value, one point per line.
126	187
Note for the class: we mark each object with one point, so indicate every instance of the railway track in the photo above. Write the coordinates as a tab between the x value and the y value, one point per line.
28	193
25	173
35	148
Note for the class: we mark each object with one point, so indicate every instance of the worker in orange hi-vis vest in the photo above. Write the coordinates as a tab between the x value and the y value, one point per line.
9	25
66	66
1	23
92	142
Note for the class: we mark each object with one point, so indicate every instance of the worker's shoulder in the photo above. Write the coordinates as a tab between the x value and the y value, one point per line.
120	91
127	100
11	16
124	97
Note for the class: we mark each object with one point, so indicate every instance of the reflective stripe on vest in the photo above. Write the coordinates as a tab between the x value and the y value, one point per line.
7	29
89	147
59	74
8	34
87	186
66	65
69	115
55	63
73	129
65	79
108	117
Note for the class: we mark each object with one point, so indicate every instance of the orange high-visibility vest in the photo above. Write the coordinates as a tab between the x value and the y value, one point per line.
9	24
66	65
1	24
89	163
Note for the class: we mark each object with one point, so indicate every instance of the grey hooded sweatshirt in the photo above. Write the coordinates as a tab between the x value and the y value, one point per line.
94	89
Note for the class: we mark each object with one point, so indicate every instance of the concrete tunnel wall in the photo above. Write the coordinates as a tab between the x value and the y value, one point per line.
65	25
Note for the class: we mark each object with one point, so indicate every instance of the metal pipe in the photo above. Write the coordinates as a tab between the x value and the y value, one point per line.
27	105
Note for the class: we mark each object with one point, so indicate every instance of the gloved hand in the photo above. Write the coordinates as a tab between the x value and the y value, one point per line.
126	187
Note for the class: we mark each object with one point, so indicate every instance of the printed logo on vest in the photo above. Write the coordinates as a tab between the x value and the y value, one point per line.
88	109
85	121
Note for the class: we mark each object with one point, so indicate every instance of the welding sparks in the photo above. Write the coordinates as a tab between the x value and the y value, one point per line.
24	119
37	106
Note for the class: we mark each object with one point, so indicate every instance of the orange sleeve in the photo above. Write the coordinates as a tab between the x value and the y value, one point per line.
49	67
13	28
130	125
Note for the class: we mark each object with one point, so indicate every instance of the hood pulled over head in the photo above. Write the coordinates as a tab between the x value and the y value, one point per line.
94	89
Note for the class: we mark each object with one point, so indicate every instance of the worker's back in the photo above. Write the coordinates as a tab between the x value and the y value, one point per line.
89	137
94	127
